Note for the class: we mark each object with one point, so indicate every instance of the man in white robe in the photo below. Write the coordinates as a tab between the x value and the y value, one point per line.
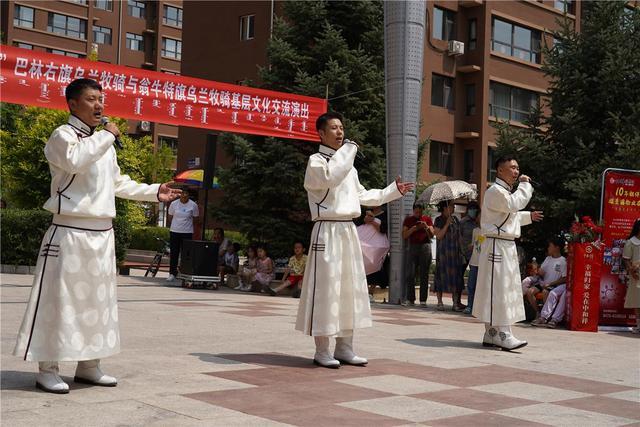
335	300
498	297
72	314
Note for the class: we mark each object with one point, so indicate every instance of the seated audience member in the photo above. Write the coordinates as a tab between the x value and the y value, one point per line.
264	272
230	261
294	272
223	242
553	272
248	271
531	286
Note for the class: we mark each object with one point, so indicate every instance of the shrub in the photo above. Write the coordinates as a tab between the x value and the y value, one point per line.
22	232
122	235
144	238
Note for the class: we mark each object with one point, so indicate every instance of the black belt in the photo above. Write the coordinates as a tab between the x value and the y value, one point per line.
333	220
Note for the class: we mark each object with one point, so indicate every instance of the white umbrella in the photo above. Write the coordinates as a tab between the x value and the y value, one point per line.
375	247
447	190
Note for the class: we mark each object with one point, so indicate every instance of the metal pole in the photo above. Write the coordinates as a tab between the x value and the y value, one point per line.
404	26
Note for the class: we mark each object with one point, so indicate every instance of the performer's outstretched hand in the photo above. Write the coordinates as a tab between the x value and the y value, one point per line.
167	194
404	187
537	216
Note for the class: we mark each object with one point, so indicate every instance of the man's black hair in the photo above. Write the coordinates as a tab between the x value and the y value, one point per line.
76	87
321	122
557	241
503	159
301	242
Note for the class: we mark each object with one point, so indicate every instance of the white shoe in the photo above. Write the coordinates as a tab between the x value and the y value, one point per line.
344	352
487	339
323	356
89	372
47	379
171	278
505	339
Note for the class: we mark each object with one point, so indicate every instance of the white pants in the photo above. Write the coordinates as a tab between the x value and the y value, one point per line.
555	305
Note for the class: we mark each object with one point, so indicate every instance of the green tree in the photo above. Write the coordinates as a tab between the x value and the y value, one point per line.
318	47
594	123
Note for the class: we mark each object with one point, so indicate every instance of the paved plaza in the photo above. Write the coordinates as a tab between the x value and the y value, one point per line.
224	358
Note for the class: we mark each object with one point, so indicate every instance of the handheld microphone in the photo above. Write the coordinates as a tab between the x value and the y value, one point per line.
104	120
359	153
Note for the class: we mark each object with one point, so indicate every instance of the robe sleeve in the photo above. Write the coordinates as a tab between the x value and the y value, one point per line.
510	203
378	197
72	154
126	188
322	174
525	218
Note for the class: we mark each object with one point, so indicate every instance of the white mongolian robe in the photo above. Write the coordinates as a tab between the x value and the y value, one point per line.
334	299
72	312
498	298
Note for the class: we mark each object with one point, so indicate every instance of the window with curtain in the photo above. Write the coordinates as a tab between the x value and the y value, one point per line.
440	158
101	35
470	95
473	34
514	40
442	91
511	103
443	24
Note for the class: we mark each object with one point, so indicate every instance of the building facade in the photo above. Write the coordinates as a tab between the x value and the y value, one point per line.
140	34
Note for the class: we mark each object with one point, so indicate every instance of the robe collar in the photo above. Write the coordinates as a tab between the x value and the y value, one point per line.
502	183
81	127
635	241
326	151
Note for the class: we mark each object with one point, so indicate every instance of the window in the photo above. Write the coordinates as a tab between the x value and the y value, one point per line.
442	91
511	103
79	1
444	24
469	176
136	8
171	48
172	16
473	33
65	53
101	35
440	158
166	141
491	159
470	95
23	45
514	40
103	4
23	16
565	6
135	42
67	26
247	31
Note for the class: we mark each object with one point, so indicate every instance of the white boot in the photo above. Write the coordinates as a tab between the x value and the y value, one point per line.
47	379
344	352
323	356
89	372
489	333
505	339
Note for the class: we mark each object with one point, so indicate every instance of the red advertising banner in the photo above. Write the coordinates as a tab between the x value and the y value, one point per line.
37	78
620	208
583	287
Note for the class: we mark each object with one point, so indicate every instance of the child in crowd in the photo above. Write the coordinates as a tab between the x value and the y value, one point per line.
476	241
230	261
248	271
631	257
264	272
294	272
531	285
553	272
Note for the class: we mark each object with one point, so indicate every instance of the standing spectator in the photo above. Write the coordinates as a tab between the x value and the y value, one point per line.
294	273
417	230
230	261
553	272
264	272
248	271
448	256
372	232
183	213
476	243
631	257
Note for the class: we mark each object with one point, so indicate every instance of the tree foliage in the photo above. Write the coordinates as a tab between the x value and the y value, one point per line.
318	47
594	123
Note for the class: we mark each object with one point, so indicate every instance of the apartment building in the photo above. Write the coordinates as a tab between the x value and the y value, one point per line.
140	34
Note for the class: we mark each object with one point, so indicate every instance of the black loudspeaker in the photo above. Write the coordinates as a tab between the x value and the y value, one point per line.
199	258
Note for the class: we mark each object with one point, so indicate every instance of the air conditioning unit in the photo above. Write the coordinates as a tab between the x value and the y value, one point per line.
145	126
456	48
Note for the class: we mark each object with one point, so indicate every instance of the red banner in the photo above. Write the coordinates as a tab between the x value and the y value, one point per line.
620	208
583	287
36	78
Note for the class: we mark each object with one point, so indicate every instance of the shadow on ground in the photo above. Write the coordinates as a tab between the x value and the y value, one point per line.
436	342
266	359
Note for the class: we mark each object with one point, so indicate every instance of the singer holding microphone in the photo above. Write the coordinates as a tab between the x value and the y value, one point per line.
335	297
72	314
498	297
